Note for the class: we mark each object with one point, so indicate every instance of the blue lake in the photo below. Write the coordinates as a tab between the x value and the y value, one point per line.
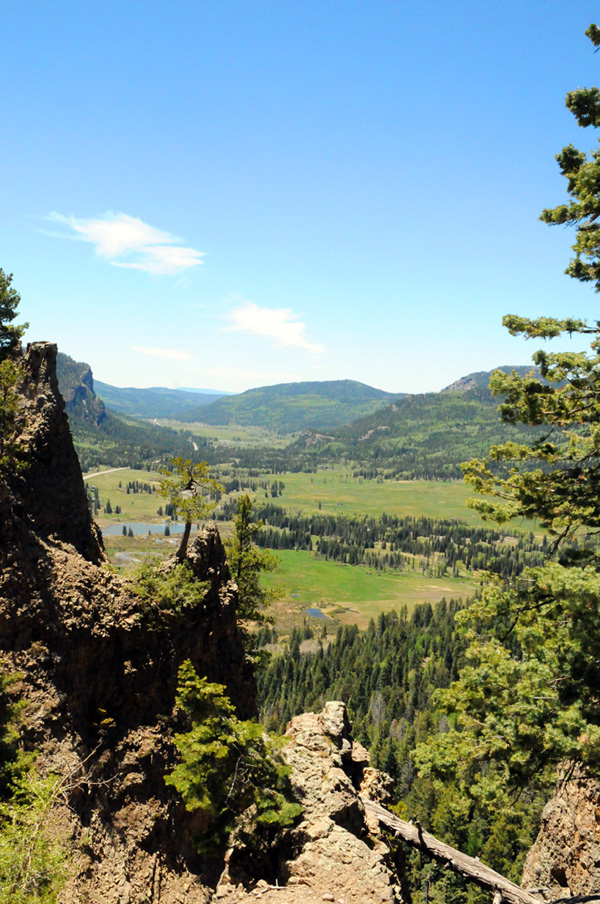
140	527
316	613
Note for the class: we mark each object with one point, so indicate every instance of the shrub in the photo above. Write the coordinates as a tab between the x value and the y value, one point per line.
228	766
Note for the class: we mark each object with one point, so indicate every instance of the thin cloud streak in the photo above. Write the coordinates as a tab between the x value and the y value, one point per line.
117	236
170	354
279	324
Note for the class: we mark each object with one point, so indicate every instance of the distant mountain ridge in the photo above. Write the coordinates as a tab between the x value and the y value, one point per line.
156	402
319	405
424	435
289	407
480	379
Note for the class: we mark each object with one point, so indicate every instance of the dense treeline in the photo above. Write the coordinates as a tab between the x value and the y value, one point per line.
385	675
388	676
119	443
431	545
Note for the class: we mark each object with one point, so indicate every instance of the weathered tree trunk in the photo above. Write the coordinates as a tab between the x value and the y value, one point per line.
182	551
471	868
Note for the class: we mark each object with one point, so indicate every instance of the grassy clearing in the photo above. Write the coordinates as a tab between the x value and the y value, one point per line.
354	594
134	506
232	434
339	493
351	594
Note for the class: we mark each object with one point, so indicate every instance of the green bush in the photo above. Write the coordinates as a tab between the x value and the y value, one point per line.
168	591
32	864
228	766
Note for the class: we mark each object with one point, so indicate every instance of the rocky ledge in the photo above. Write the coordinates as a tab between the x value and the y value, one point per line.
565	859
334	854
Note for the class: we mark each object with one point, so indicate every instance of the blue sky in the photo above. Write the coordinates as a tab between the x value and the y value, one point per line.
229	194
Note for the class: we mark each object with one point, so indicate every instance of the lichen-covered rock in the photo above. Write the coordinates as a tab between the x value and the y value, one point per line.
565	859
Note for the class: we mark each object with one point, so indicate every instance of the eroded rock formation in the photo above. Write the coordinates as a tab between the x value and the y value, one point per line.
99	670
565	859
334	853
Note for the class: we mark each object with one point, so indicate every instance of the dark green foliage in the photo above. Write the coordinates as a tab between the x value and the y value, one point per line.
167	591
228	767
386	675
582	172
527	698
390	677
10	334
433	546
247	562
420	436
32	866
11	451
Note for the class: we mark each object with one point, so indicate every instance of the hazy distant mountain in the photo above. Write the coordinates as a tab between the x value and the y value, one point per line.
156	402
288	407
210	392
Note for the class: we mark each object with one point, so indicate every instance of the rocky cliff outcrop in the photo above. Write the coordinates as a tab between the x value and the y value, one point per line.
565	859
47	500
97	670
76	383
98	667
335	853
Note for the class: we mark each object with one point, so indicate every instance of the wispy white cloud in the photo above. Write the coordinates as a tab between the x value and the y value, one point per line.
279	324
171	354
130	243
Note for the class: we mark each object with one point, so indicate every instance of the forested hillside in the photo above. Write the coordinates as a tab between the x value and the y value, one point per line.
288	407
157	402
388	676
103	438
424	436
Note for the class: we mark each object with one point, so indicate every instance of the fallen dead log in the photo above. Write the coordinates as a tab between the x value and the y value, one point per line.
470	868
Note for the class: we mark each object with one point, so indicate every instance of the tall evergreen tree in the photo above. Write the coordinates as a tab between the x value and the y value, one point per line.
10	334
248	562
528	697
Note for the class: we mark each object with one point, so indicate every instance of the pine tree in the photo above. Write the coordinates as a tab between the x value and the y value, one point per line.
10	335
527	698
227	765
191	491
248	563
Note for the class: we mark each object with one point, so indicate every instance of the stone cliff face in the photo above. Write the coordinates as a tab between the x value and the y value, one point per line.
565	859
334	853
76	383
98	671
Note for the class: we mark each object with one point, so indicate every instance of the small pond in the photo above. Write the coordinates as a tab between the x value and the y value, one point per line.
142	528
